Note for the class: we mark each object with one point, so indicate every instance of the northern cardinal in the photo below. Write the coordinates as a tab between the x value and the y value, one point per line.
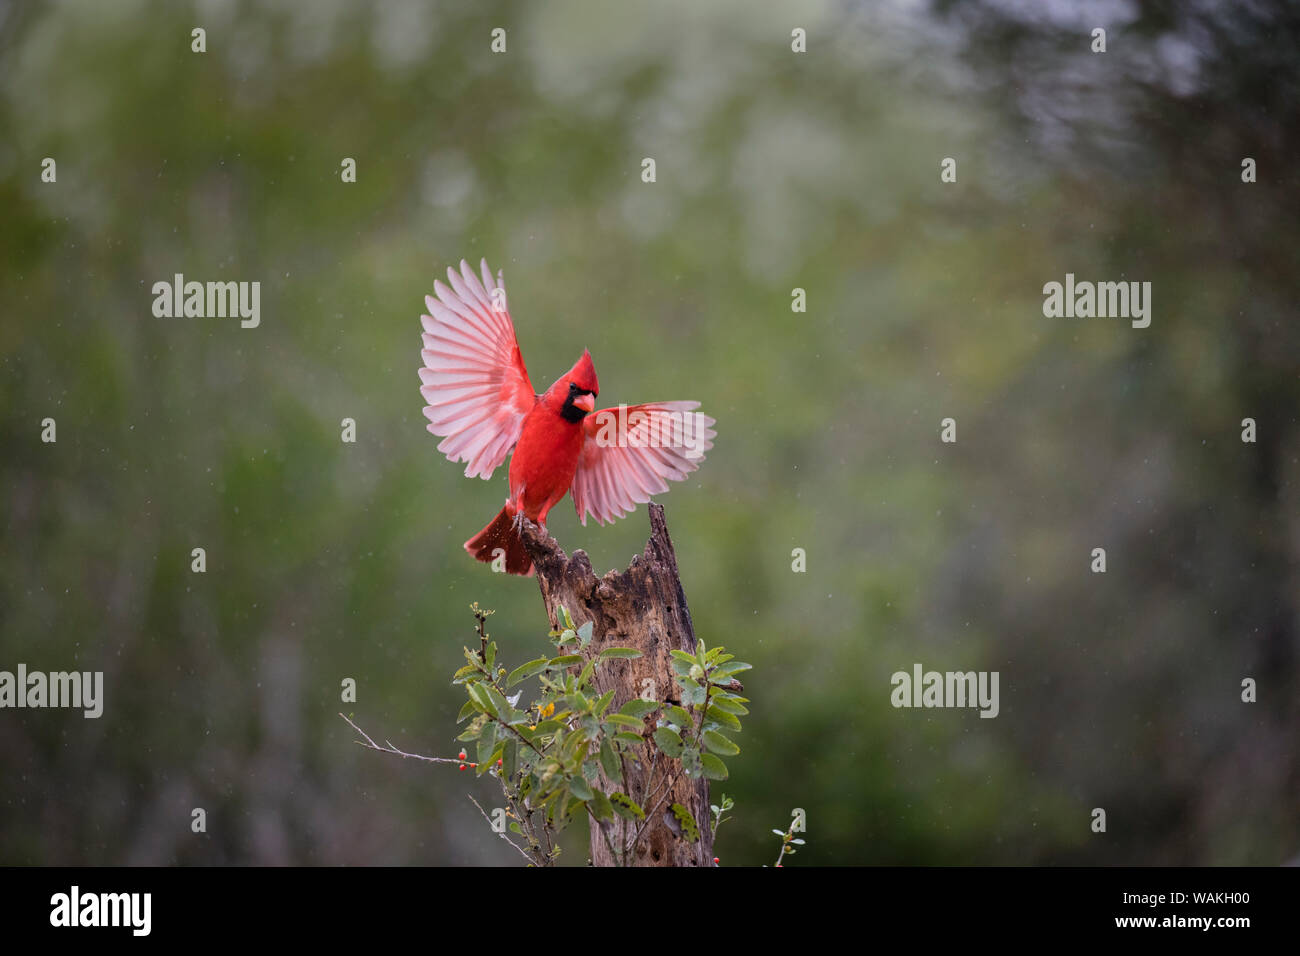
482	405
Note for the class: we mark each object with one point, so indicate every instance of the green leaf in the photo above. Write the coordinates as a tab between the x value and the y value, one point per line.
623	720
728	702
510	759
683	657
498	753
525	671
481	697
609	761
574	747
625	806
719	744
714	768
691	761
601	808
500	705
580	788
572	810
628	738
722	717
669	741
690	829
584	633
464	672
565	660
722	674
486	742
626	653
692	693
638	707
465	711
679	716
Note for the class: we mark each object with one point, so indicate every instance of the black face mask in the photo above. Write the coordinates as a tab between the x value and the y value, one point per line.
571	412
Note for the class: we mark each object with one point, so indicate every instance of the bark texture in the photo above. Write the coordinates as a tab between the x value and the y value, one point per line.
643	607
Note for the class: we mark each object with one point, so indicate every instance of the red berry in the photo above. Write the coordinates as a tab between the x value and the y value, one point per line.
462	766
716	861
461	755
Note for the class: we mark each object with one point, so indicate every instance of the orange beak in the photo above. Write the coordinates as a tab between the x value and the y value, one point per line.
586	402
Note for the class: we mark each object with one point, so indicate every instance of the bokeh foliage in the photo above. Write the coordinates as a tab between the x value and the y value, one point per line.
328	560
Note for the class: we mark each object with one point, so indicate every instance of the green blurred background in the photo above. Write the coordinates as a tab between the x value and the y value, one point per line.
775	170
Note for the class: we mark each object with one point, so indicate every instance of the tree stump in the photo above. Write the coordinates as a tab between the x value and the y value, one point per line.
643	607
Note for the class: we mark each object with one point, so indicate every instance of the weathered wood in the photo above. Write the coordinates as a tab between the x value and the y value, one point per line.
643	607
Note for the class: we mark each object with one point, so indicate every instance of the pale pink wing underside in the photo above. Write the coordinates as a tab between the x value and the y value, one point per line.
632	452
473	377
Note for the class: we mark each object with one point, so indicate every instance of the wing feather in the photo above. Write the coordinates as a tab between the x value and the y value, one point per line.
473	378
631	453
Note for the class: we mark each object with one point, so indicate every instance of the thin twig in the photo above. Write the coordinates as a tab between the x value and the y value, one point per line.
785	840
650	775
655	792
498	833
650	814
618	860
525	818
546	832
481	616
370	744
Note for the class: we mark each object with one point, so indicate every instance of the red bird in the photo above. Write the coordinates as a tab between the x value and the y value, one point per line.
482	405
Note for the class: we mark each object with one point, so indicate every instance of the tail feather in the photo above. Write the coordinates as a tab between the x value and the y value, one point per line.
499	540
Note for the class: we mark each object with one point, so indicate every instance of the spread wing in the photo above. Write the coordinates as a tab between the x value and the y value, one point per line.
473	377
629	451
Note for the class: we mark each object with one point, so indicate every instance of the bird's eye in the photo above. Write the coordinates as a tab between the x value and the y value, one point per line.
573	387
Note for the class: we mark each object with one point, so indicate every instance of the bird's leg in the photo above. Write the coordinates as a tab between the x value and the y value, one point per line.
516	505
518	522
